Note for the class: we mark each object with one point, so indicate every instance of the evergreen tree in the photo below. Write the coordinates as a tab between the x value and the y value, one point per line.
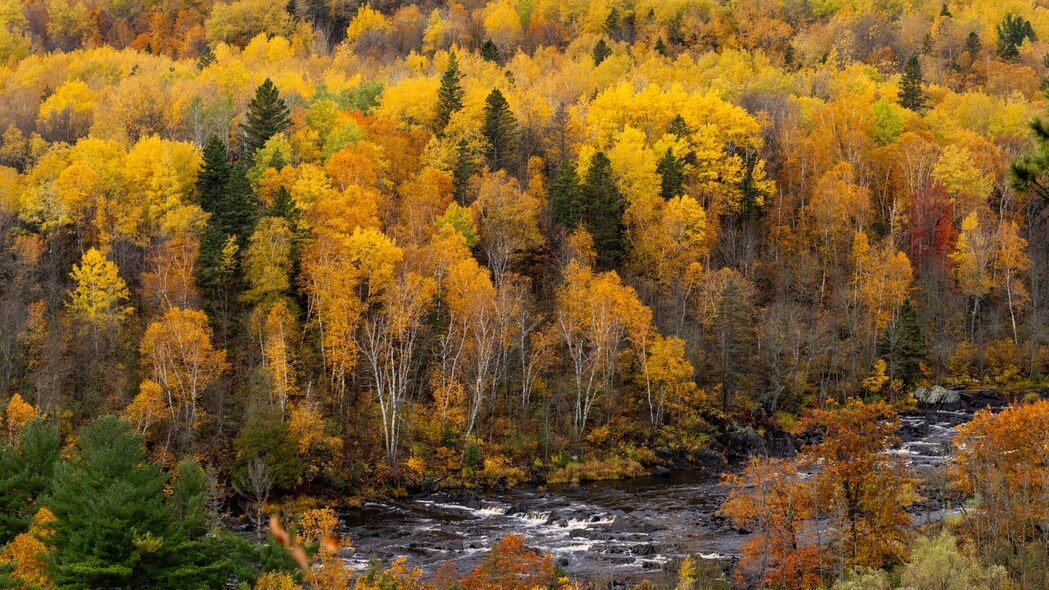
238	210
207	57
788	56
661	47
902	345
25	475
600	209
267	116
449	95
464	169
972	44
612	22
564	194
490	51
500	129
213	176
944	11
678	128
601	52
911	94
284	206
672	171
1012	32
112	528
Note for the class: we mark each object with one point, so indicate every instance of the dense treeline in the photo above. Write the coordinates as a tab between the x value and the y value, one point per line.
328	248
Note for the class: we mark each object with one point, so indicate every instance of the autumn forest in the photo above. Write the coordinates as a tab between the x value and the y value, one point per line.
264	264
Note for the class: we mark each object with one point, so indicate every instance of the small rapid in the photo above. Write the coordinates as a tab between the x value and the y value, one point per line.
615	528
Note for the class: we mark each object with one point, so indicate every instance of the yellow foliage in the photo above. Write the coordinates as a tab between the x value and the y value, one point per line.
18	414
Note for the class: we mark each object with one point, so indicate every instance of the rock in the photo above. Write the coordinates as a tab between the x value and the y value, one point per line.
643	550
780	444
664	452
978	399
742	442
661	470
937	397
709	459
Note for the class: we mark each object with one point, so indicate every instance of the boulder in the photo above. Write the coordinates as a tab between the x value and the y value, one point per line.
742	442
937	397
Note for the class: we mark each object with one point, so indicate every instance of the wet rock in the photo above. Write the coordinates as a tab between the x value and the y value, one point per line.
937	397
664	452
708	460
661	470
643	550
981	398
742	442
780	444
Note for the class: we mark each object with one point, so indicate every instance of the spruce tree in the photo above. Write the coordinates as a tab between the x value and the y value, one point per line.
213	176
449	95
972	45
911	94
464	169
207	57
601	52
600	209
1012	32
902	345
672	173
284	206
25	475
238	210
490	51
500	129
564	194
944	11
267	116
661	47
112	528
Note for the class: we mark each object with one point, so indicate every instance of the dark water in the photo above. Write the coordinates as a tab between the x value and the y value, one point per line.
618	528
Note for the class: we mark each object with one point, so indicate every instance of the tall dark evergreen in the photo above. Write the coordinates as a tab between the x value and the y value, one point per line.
601	52
490	51
972	45
207	57
239	208
25	475
672	173
660	47
112	528
1012	32
944	11
464	169
902	345
564	194
267	116
600	208
500	129
449	95
213	176
911	94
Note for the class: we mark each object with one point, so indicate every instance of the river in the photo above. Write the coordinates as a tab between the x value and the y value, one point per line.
616	529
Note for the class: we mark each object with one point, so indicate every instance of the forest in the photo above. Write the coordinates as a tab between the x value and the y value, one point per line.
262	261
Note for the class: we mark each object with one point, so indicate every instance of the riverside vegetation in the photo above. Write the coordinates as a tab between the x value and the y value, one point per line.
264	259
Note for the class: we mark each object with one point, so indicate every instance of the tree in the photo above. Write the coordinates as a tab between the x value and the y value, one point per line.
600	208
564	194
902	345
25	475
267	116
660	47
463	171
1012	32
213	176
449	95
600	52
177	351
28	553
500	131
911	94
125	536
510	565
672	173
490	51
100	295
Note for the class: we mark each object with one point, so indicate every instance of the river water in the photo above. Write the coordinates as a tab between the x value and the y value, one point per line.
616	529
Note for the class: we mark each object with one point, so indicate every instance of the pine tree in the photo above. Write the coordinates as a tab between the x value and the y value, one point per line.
672	171
449	95
661	47
944	11
25	476
1012	32
902	345
972	45
267	116
213	176
207	57
112	528
464	169
612	22
238	210
500	129
490	51
564	194
284	206
911	94
601	52
600	209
